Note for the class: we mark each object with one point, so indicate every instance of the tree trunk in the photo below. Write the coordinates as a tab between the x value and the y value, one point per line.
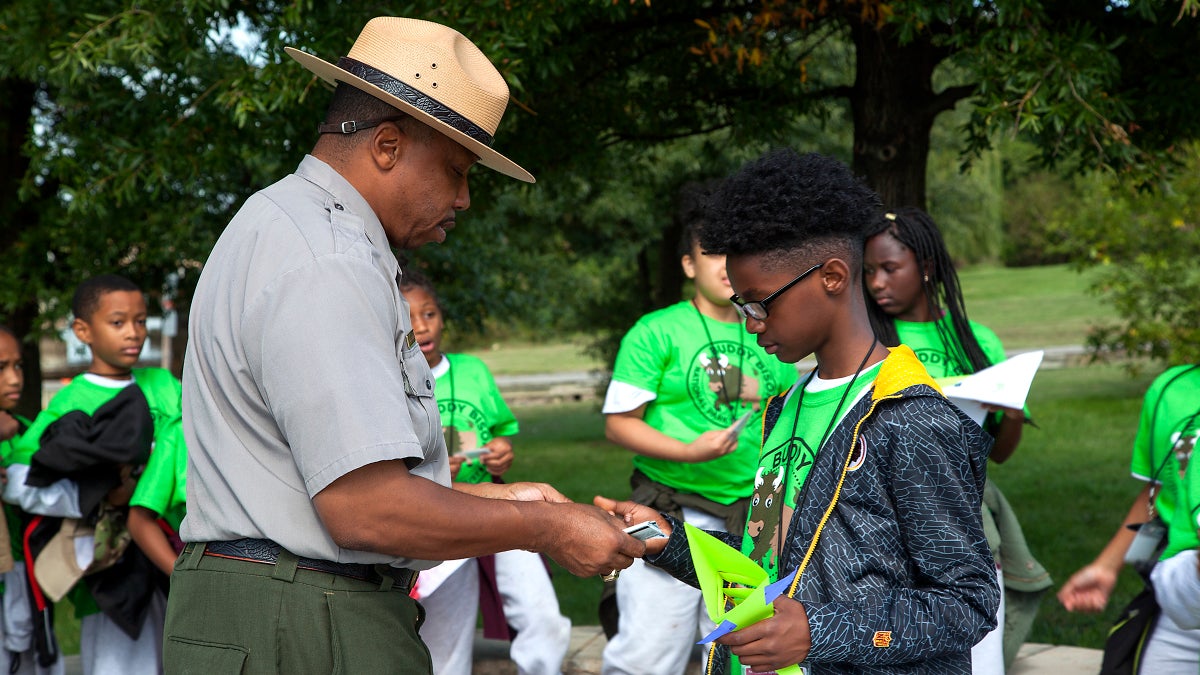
893	105
16	102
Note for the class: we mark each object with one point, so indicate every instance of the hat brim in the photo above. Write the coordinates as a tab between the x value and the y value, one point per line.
487	156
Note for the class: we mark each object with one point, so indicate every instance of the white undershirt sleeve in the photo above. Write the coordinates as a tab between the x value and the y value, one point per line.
622	398
59	499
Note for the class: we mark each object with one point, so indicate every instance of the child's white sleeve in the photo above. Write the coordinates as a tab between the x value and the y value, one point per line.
59	499
623	397
1177	588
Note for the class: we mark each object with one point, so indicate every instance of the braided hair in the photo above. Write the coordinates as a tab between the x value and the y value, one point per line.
914	229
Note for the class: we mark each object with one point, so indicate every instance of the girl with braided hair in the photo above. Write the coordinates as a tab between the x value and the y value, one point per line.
914	298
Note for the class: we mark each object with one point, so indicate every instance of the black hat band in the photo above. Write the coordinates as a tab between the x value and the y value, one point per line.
416	99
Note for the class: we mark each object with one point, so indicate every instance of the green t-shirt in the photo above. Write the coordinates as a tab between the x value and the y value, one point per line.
923	338
700	385
472	410
162	390
162	486
787	456
164	396
1170	421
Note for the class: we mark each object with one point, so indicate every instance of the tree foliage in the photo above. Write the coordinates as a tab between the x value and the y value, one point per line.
1144	246
132	132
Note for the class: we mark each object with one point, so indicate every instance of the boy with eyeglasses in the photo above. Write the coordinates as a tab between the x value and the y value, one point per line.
867	493
683	379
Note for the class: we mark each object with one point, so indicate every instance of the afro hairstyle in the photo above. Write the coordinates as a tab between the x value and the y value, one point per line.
785	206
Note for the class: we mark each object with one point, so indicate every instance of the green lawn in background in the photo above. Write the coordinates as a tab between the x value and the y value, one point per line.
1069	482
523	358
1033	307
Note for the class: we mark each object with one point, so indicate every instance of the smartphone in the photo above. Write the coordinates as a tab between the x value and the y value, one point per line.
646	530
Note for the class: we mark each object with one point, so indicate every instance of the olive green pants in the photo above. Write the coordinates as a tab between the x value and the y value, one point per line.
231	616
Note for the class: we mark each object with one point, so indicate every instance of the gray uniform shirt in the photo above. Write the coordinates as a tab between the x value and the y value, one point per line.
300	368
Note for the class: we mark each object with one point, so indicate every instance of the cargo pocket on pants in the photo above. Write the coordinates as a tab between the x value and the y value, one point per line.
192	656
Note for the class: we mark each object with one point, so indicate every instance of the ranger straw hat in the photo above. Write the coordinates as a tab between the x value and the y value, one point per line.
431	72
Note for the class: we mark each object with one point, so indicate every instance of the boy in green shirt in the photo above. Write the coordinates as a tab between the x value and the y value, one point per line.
110	317
685	398
867	490
476	418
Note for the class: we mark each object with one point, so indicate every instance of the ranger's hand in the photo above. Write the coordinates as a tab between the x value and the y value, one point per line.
587	541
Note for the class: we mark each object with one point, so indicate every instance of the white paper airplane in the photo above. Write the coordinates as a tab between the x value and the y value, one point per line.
1005	384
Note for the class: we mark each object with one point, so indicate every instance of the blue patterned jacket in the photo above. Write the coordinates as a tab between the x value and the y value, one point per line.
899	578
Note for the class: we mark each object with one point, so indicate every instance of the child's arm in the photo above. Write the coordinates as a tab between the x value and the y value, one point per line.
630	430
1008	434
143	526
1088	589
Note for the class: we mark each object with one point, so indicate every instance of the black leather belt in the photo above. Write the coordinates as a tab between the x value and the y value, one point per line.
266	552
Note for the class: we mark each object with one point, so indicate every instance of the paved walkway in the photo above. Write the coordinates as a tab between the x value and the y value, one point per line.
587	644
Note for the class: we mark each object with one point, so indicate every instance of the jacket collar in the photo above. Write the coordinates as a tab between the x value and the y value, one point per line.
900	370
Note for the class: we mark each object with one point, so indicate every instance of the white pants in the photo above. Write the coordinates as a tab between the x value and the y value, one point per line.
17	633
105	649
530	607
987	656
661	618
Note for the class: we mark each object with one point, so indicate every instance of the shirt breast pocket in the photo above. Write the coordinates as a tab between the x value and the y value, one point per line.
418	379
418	393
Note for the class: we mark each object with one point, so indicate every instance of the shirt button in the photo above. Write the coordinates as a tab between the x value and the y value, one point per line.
339	207
428	385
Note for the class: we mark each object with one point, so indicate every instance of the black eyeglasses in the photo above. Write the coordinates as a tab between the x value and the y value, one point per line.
758	310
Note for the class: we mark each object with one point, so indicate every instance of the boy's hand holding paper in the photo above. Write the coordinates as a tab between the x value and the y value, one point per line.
716	565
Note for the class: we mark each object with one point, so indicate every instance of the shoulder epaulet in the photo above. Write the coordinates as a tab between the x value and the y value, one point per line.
901	369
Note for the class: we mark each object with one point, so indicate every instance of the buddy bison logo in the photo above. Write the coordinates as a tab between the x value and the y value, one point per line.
464	425
767	515
724	372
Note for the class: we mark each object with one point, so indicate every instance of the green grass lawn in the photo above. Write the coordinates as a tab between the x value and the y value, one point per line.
1069	482
1033	307
524	358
